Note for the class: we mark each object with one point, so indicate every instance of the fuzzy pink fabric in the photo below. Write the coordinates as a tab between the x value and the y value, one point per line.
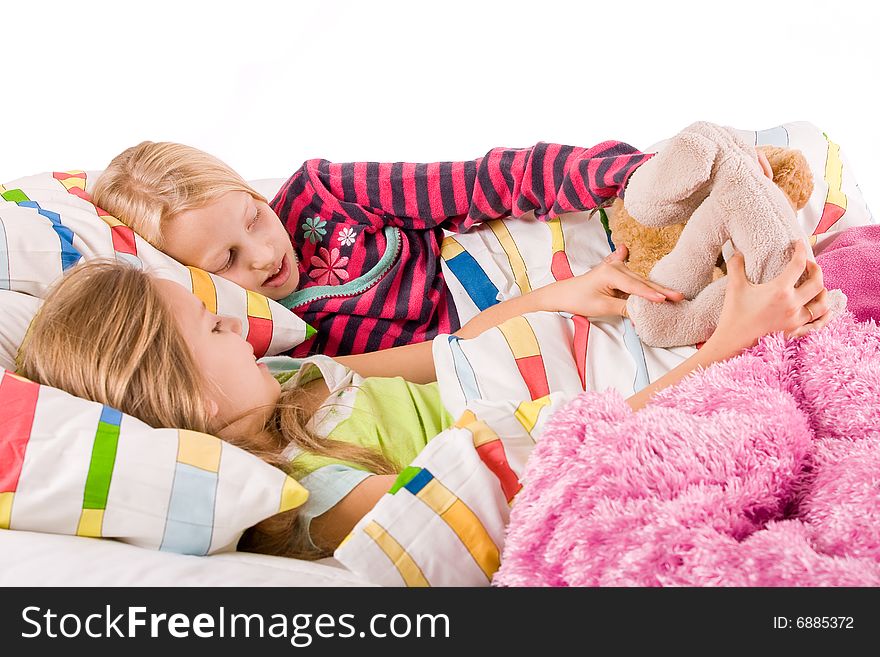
760	471
850	261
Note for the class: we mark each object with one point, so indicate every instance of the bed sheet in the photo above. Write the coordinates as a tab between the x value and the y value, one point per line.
35	559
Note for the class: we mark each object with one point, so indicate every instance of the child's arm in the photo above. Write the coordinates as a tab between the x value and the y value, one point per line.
548	178
601	291
328	529
750	311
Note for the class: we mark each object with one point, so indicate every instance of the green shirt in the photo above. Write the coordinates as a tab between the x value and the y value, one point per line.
388	414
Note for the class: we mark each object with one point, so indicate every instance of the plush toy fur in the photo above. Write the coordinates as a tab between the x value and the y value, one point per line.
708	178
648	244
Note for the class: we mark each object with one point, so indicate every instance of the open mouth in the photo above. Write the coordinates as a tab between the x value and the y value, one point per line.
281	274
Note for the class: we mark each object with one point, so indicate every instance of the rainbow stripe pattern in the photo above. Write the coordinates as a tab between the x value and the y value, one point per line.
75	467
465	267
438	507
438	524
490	449
835	200
193	495
524	346
510	248
18	399
124	239
68	252
259	326
559	264
100	472
443	521
420	483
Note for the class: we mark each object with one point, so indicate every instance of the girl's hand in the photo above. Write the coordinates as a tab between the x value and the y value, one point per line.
603	290
752	311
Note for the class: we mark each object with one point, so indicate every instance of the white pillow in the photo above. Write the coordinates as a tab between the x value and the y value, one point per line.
16	311
38	559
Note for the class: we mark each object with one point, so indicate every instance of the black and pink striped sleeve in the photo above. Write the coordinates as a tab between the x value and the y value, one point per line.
548	178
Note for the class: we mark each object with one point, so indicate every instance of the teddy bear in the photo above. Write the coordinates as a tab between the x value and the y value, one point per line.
709	179
647	244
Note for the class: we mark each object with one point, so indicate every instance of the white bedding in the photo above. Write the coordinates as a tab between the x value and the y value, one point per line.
32	559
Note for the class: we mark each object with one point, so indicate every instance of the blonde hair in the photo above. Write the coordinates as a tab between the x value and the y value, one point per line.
148	184
105	333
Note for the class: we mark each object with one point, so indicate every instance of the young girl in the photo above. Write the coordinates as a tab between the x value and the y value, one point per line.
368	275
115	335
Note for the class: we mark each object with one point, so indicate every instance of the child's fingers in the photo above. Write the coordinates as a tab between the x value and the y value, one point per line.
814	270
618	255
817	315
795	268
736	269
811	286
667	292
639	287
811	326
818	306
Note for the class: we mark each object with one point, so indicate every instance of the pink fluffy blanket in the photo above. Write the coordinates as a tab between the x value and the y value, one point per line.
760	471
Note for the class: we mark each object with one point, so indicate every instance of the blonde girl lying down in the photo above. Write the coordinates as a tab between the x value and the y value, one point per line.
148	347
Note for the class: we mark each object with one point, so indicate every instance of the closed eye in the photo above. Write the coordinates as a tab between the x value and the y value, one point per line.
229	260
255	219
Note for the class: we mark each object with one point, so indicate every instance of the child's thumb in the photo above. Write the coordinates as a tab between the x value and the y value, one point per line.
618	255
736	267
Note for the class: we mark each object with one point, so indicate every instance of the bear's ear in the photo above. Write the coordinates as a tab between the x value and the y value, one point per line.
791	173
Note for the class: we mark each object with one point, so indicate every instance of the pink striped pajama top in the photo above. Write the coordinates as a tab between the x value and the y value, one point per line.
369	233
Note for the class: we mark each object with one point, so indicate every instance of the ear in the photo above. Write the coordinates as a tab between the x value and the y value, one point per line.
212	407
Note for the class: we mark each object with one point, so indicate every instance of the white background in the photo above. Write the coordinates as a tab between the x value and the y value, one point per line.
264	85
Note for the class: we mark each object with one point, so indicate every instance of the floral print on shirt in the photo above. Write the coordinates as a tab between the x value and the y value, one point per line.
346	236
329	268
313	229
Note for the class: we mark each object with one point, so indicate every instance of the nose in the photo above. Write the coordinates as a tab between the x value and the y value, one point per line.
232	324
263	256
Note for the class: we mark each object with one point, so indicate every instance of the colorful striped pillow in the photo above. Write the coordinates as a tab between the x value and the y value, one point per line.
48	224
70	466
444	521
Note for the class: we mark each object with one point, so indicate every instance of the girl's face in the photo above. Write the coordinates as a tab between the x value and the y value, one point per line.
239	238
236	383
